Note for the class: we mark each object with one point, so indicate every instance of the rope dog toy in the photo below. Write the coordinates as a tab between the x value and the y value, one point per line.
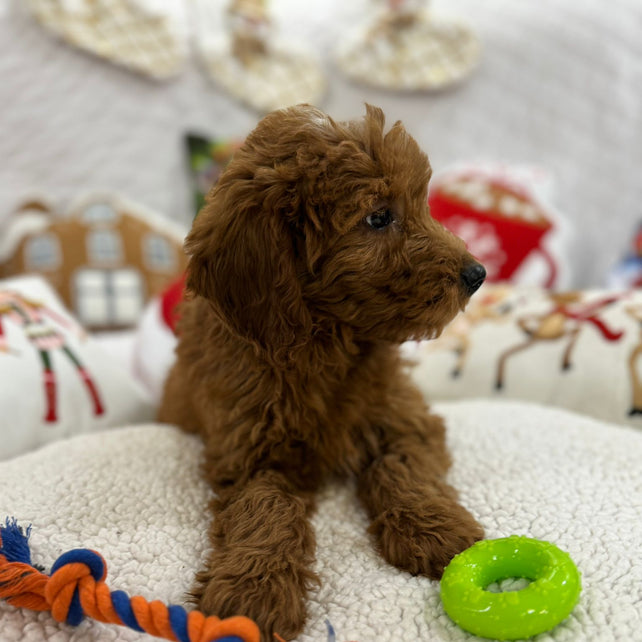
542	605
76	588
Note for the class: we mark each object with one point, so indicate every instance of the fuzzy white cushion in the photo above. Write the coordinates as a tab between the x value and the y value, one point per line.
135	496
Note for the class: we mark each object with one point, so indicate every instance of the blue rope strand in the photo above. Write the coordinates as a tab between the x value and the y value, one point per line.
331	633
75	615
123	608
178	622
15	542
92	560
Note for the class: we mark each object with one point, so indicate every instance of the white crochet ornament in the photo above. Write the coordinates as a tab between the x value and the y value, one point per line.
406	48
147	36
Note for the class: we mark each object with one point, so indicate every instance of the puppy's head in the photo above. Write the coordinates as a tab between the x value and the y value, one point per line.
322	226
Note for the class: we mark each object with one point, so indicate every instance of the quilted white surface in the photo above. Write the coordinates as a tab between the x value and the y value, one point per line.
559	85
135	496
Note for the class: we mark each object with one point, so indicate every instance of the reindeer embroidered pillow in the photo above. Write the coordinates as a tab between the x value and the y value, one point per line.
576	350
56	381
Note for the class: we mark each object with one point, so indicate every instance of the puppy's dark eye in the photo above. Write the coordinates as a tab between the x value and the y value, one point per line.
379	219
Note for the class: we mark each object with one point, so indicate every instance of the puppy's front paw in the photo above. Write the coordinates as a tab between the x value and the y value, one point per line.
423	542
276	602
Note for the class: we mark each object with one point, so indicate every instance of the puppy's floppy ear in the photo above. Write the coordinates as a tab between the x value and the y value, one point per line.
242	261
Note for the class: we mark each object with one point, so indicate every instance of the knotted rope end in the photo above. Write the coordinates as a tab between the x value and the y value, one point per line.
14	542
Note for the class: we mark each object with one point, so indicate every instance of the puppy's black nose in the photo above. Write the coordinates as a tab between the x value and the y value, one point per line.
473	276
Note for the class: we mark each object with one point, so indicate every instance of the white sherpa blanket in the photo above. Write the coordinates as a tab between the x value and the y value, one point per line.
135	495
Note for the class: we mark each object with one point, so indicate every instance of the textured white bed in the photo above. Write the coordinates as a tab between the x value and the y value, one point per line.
135	496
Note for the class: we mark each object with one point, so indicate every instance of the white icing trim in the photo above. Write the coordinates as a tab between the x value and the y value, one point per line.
18	227
157	222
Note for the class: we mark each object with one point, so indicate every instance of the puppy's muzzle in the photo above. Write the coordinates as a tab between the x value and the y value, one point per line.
472	276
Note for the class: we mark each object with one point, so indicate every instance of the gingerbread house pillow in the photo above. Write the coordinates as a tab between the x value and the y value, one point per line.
106	257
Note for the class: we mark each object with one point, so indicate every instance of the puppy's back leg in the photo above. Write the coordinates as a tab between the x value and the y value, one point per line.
176	406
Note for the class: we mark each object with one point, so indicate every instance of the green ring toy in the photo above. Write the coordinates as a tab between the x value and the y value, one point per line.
549	599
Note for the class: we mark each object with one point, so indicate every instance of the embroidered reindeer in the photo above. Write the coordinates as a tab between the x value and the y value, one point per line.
562	323
493	305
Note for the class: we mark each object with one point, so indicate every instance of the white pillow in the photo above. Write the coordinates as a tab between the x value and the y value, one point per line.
136	496
154	349
577	350
55	380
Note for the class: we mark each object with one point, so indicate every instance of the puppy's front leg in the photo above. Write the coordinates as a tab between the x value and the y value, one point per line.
415	518
263	549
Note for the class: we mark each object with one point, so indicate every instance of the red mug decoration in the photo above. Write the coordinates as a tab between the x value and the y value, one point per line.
500	221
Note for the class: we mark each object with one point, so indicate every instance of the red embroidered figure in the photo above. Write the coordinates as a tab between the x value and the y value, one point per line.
635	312
36	322
564	321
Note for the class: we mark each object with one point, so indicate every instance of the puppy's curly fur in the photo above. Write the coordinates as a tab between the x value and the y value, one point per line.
313	258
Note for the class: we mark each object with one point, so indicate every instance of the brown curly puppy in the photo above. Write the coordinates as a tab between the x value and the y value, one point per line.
313	258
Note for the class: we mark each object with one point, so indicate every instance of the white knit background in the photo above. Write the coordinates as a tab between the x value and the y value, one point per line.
560	85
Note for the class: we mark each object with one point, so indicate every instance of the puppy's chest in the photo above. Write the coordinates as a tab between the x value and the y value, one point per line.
340	434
